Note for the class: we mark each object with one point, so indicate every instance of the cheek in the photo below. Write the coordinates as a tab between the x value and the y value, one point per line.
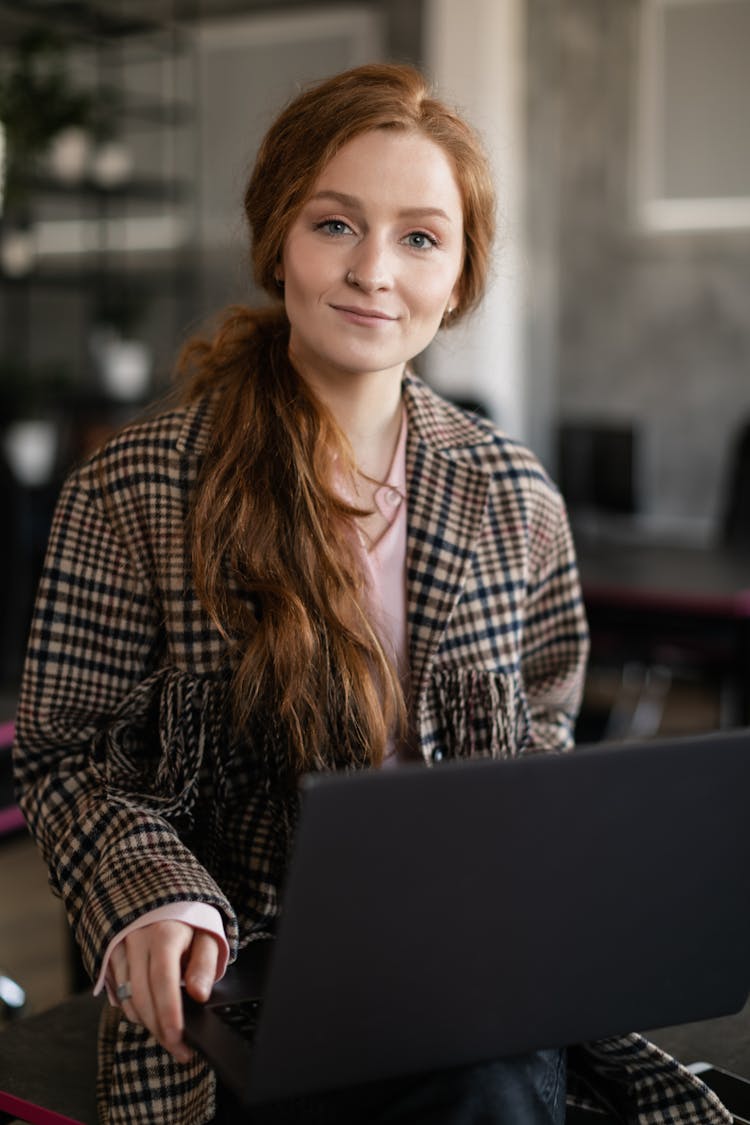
301	264
432	298
434	288
294	272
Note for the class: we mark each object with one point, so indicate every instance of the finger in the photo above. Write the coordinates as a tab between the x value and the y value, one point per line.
200	971
118	967
155	954
165	973
138	950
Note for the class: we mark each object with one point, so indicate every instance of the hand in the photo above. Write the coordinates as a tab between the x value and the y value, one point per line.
154	959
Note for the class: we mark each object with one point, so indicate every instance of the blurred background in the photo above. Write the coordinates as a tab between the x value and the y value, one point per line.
615	339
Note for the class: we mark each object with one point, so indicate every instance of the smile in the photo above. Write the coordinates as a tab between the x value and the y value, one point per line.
364	316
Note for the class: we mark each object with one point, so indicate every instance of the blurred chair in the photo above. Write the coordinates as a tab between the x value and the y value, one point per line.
596	467
735	525
12	996
668	660
712	656
29	485
9	521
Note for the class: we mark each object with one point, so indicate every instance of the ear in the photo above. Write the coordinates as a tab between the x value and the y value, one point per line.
455	298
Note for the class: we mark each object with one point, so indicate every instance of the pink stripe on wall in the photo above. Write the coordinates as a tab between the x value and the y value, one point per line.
11	819
37	1114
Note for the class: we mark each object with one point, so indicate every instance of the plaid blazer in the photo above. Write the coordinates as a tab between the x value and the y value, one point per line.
137	794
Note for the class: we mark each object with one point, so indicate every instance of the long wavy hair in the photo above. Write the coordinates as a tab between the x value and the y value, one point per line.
273	544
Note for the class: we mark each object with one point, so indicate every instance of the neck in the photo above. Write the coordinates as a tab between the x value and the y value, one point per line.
368	409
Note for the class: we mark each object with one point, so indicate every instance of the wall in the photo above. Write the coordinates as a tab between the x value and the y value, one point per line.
650	328
474	54
234	73
248	68
243	74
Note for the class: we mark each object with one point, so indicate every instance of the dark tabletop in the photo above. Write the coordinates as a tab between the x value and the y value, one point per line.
697	579
50	1058
723	1042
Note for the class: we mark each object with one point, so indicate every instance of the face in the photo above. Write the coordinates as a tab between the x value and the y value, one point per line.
372	262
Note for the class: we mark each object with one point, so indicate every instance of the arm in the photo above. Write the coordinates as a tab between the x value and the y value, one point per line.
95	636
555	638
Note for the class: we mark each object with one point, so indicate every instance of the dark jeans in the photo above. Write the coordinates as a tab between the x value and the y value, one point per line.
525	1090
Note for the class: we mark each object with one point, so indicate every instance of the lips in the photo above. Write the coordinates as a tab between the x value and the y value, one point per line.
363	314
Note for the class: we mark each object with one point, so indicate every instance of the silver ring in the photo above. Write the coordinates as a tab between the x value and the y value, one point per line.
351	278
124	991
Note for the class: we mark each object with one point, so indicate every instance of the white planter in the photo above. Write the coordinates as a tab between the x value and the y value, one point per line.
31	449
112	164
17	252
69	154
124	365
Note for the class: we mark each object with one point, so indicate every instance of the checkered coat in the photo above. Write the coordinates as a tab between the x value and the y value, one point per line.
137	794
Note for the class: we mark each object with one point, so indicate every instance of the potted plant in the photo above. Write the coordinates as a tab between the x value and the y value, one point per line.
37	104
123	360
29	423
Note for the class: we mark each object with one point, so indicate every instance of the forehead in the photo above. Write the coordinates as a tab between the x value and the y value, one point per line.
394	168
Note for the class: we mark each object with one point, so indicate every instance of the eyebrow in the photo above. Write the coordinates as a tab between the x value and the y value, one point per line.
406	212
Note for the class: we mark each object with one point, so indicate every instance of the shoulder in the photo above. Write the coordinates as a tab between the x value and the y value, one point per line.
469	438
146	453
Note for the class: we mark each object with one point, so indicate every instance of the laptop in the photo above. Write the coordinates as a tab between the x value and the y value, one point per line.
440	917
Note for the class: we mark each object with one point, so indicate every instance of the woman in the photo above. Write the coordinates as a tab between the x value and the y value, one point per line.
235	594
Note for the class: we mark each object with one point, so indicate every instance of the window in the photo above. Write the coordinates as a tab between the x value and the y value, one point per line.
692	158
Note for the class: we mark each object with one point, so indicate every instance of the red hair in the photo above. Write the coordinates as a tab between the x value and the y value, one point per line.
273	545
313	127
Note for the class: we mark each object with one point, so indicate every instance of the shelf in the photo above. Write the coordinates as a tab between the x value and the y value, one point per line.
135	189
159	278
157	114
125	256
82	20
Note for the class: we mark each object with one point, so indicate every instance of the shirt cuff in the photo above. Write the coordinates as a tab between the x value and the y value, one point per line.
199	915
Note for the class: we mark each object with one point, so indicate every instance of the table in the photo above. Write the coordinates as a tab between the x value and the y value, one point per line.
640	595
48	1065
49	1061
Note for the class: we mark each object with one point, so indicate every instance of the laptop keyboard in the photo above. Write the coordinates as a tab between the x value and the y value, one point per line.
242	1016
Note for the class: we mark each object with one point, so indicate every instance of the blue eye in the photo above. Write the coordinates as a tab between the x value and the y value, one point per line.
420	240
334	227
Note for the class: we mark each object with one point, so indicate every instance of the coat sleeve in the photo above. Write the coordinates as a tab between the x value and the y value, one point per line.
96	635
555	633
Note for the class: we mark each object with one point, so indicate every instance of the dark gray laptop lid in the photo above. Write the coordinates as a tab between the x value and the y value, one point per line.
443	916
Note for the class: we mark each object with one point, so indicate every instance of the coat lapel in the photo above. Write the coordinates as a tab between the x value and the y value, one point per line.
447	498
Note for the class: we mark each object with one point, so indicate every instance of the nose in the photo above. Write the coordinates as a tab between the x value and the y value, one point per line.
370	267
